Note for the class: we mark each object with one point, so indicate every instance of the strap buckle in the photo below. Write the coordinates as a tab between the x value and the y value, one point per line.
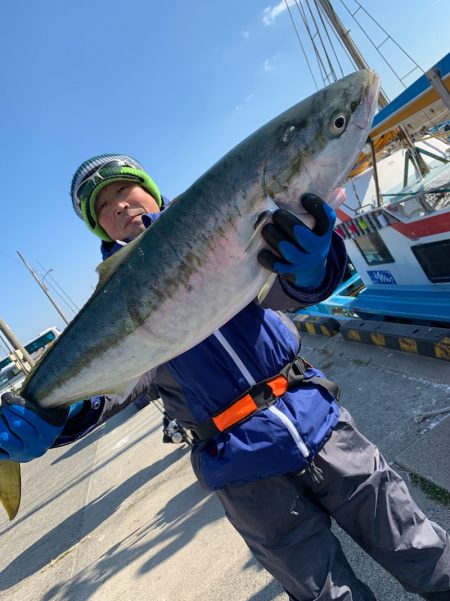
259	396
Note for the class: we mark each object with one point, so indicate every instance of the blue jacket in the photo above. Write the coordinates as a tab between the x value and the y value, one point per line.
254	345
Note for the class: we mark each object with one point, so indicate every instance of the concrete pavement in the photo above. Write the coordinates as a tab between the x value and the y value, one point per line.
119	515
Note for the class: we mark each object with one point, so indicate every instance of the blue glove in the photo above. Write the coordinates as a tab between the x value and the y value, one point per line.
26	430
300	253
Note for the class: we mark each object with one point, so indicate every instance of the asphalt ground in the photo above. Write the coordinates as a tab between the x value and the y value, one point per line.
119	515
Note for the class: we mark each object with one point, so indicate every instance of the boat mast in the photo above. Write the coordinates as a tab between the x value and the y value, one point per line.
352	49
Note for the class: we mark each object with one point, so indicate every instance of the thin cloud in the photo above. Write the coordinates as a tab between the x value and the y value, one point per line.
246	100
270	63
246	35
272	12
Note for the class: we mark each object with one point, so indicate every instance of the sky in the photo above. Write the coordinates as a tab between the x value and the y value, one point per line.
175	84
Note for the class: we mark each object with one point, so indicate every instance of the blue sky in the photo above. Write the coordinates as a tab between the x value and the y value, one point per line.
175	84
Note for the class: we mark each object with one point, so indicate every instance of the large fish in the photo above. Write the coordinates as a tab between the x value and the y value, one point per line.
196	266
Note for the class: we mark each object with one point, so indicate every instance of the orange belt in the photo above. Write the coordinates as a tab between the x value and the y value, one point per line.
253	400
258	397
262	395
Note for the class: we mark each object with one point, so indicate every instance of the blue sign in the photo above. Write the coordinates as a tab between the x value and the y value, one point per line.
381	277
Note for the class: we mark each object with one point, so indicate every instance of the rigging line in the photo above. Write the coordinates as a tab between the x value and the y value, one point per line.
400	79
389	36
339	40
330	65
301	45
318	9
373	44
311	37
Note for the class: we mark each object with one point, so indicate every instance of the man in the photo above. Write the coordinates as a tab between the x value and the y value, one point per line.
283	468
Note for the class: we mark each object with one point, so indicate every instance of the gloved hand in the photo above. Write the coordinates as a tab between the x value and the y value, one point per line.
26	430
300	253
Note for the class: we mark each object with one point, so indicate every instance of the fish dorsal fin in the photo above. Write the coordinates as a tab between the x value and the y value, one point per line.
108	267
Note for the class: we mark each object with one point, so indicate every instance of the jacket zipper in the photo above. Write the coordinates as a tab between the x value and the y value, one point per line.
292	430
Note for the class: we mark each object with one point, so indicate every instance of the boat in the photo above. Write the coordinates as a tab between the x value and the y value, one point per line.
396	219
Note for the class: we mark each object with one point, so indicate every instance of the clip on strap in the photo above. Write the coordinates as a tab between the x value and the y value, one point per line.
259	396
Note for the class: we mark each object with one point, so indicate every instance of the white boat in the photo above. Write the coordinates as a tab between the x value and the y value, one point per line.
396	219
398	238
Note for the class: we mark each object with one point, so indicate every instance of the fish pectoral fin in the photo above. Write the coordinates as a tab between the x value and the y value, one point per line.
263	219
10	487
109	265
266	287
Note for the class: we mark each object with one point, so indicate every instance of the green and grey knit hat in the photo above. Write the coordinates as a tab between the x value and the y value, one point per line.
96	173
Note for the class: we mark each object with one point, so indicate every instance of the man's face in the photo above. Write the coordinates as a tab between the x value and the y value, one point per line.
120	206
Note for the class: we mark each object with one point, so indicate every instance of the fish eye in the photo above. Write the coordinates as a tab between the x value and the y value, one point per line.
338	124
288	134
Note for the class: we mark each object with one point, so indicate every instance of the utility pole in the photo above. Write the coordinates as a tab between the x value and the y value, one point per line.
44	288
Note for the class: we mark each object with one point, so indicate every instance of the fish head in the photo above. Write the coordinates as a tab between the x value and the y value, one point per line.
315	143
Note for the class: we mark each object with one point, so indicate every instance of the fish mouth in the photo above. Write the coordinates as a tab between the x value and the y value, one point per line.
363	115
361	119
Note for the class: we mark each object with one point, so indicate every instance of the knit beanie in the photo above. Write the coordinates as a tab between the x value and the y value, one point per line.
116	167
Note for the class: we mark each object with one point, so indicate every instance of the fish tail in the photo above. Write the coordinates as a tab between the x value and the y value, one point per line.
10	487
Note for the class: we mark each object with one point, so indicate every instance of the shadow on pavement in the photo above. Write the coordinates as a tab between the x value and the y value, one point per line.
89	438
184	515
270	592
71	530
94	436
82	444
179	525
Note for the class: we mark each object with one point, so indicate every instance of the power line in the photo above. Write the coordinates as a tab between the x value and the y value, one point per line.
58	290
43	287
